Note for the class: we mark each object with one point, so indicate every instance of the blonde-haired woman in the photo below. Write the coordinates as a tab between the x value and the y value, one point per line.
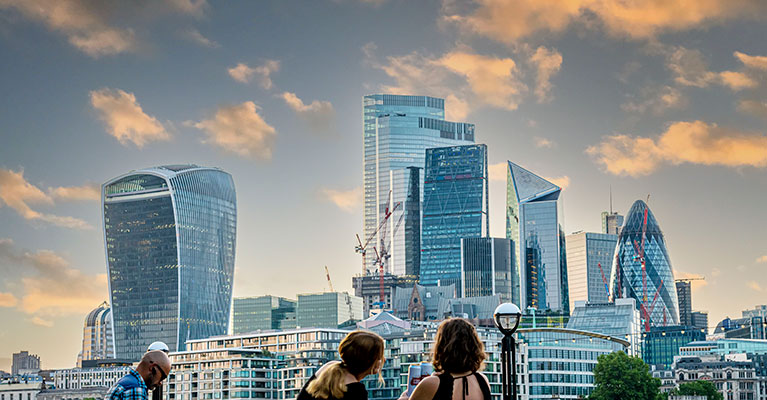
362	354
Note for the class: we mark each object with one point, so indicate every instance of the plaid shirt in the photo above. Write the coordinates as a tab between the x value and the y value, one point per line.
129	387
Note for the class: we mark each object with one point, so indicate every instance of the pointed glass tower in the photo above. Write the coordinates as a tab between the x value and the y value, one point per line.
533	223
641	241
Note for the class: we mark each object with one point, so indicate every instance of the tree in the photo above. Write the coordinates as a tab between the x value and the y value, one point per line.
620	377
698	388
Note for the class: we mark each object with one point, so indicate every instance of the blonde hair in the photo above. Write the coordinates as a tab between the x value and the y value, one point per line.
359	351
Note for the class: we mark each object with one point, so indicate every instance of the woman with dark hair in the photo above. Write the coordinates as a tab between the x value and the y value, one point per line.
362	354
457	355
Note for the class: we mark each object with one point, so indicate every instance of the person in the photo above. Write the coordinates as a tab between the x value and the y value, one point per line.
362	354
148	375
457	355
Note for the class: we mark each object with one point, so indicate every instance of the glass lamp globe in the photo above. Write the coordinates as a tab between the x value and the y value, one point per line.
507	317
158	346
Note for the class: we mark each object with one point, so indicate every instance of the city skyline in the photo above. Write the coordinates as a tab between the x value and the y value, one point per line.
588	99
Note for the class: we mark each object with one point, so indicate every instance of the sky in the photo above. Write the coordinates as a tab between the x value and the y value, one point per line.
666	99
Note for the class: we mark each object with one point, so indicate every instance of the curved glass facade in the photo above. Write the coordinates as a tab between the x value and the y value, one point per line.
627	279
97	335
170	242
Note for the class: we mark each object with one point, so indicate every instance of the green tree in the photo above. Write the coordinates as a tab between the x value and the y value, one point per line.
698	388
620	377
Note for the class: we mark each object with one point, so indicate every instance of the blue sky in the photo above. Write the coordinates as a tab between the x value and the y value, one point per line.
662	99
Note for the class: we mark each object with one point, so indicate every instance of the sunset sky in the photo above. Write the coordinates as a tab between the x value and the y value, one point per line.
647	97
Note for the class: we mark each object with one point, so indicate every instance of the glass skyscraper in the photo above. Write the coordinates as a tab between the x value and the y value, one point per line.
397	130
170	242
454	207
589	259
486	265
533	222
627	278
264	313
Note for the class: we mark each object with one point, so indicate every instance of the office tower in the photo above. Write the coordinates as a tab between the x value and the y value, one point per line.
454	207
533	222
413	223
758	311
611	223
250	314
641	242
589	259
486	267
684	297
170	241
328	310
662	343
396	132
619	319
25	363
98	343
700	320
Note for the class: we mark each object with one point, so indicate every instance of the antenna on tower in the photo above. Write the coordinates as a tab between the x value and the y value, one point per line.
611	199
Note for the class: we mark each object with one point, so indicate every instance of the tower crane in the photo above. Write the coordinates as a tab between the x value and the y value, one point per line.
330	283
697	278
362	247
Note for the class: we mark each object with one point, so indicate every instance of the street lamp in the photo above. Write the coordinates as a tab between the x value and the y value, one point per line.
507	317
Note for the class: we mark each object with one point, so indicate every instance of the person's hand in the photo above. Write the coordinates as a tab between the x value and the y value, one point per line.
404	396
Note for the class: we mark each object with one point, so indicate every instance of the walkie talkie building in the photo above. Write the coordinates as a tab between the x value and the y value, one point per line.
170	242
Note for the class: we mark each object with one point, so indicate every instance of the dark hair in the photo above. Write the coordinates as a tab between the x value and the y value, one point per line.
457	347
359	351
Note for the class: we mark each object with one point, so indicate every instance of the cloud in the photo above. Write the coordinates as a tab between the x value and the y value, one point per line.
656	100
511	21
687	275
753	285
241	130
191	7
346	200
85	192
762	259
683	142
125	119
691	69
319	114
753	62
243	73
50	286
547	63
737	80
542	143
18	194
195	36
754	107
8	300
464	79
562	181
41	322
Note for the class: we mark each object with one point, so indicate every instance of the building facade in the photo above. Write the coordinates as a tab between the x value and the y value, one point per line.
758	311
397	130
264	312
486	267
170	243
421	303
663	343
642	268
733	379
98	343
20	390
612	222
700	320
533	222
24	363
617	319
455	206
83	378
684	296
589	259
368	287
327	310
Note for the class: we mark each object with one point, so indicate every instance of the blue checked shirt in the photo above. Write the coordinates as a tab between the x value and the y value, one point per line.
129	387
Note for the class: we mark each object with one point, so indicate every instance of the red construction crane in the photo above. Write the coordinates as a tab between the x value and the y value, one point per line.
330	283
639	255
607	286
382	258
362	247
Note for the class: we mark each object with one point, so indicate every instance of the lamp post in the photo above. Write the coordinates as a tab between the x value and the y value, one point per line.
506	317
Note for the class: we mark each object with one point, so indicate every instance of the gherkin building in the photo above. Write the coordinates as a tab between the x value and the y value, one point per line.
641	239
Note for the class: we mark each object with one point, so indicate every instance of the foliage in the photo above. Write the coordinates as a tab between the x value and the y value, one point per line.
620	377
698	388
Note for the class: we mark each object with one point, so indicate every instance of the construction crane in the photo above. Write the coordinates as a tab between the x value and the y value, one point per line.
604	279
688	280
382	258
330	283
362	247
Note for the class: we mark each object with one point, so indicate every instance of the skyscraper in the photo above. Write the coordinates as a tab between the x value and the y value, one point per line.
589	259
454	207
533	222
262	313
642	268
98	343
486	265
170	243
24	363
611	222
397	130
327	310
684	295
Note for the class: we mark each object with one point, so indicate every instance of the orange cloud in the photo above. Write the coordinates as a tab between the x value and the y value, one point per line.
499	172
737	80
511	21
754	62
85	192
656	99
547	63
8	300
241	130
683	142
346	200
318	114
125	119
753	285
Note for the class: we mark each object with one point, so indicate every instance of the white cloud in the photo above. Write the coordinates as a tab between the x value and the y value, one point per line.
241	130
244	73
683	142
84	192
346	200
241	73
195	36
547	64
125	119
18	194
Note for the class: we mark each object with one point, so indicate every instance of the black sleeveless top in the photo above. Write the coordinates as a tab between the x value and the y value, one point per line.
445	389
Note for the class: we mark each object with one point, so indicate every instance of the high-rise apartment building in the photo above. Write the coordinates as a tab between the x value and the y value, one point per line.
486	266
170	243
25	363
589	259
98	343
684	297
250	314
454	207
397	130
328	310
533	222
